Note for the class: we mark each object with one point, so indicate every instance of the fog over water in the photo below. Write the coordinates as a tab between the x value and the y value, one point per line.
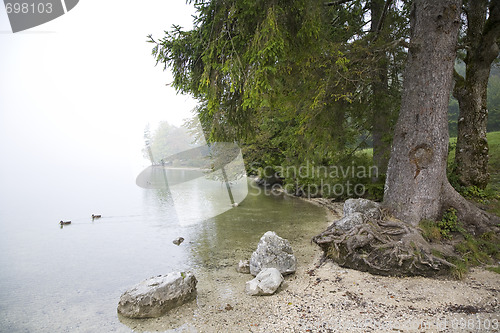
77	92
75	97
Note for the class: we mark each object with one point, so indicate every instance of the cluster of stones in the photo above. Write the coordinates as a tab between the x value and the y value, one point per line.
157	295
272	259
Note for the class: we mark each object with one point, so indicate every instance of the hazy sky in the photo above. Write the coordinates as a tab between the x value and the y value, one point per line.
77	92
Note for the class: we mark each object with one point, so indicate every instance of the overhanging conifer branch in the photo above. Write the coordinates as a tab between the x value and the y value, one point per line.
336	3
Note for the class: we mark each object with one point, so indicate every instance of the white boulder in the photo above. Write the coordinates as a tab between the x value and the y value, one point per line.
155	296
273	252
265	283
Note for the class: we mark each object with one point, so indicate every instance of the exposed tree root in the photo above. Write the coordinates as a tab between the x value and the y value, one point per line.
382	245
474	219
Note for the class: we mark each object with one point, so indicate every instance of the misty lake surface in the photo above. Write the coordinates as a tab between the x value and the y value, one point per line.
70	279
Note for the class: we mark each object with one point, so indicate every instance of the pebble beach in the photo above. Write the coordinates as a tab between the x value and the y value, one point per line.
328	298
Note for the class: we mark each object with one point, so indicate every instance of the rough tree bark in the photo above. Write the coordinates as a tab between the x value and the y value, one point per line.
368	238
416	186
471	158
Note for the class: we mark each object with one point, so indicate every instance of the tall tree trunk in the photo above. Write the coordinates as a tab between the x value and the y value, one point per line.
381	113
417	167
471	158
416	186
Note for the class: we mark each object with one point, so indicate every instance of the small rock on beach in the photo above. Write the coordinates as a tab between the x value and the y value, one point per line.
273	252
265	283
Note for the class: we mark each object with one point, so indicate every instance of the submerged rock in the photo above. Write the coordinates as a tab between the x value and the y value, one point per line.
273	252
265	283
178	241
155	296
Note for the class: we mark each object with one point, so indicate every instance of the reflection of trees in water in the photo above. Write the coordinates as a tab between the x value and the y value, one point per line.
225	162
225	239
185	147
165	141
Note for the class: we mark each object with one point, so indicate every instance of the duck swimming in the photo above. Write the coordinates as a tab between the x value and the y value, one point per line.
64	222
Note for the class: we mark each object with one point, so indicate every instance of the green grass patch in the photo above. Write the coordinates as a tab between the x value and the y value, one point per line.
494	269
430	230
476	251
494	163
460	270
471	250
435	231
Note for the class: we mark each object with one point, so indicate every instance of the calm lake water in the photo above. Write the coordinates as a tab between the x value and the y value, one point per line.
70	279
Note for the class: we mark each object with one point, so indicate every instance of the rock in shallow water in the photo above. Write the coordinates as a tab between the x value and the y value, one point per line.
265	283
178	241
273	252
155	296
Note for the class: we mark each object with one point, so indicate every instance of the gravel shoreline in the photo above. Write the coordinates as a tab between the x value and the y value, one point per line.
330	298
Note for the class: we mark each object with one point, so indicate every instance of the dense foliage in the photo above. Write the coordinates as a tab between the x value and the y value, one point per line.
304	86
292	81
297	82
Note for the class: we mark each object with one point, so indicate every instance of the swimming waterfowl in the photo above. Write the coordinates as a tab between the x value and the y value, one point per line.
96	216
64	222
